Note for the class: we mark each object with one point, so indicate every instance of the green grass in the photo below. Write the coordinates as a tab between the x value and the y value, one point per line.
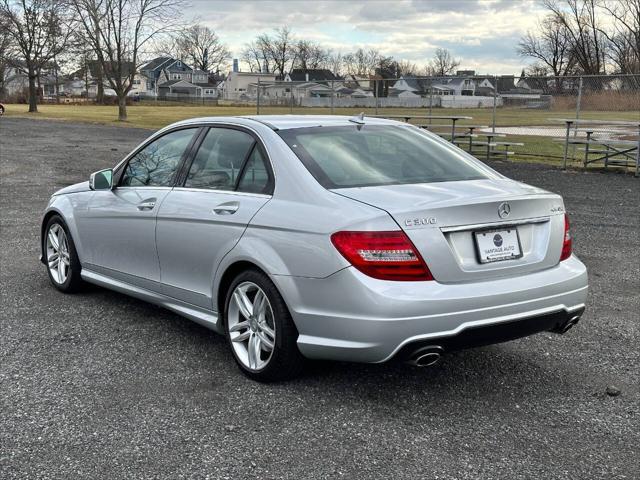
154	116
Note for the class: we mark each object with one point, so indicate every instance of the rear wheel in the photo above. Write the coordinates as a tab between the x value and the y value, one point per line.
260	329
63	266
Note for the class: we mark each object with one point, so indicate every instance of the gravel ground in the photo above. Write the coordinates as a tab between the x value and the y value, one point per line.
98	385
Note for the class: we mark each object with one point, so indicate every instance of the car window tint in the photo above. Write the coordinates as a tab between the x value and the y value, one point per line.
219	159
157	163
255	177
359	156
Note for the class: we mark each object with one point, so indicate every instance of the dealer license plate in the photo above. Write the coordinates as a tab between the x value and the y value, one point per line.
498	245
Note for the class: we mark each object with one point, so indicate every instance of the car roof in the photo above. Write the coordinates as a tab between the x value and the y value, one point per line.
285	122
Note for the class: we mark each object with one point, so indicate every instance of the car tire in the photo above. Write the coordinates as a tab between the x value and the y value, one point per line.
284	361
71	281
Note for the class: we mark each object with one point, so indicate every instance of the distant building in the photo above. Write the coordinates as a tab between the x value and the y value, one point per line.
167	76
319	75
236	84
424	86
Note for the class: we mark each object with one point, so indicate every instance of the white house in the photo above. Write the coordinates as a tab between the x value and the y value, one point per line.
237	83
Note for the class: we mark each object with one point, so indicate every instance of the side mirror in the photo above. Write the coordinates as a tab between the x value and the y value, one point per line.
101	180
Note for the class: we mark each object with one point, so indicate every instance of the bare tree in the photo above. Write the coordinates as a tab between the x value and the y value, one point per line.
588	44
405	68
362	62
39	30
623	37
551	47
279	48
5	40
257	57
309	55
118	30
443	63
334	62
202	46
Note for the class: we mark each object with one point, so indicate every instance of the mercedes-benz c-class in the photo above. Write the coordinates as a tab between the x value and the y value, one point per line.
321	237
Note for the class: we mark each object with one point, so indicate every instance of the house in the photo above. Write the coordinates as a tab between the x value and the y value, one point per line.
236	83
486	85
423	86
318	75
161	70
16	80
84	80
169	76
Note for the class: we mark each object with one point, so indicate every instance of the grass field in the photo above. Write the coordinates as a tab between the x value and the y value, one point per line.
155	116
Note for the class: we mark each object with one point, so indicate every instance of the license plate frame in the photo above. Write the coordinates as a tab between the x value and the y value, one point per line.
507	232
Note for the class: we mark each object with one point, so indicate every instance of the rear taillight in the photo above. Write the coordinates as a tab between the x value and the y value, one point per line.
382	255
566	242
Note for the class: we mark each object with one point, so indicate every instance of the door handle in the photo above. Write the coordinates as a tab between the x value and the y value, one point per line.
147	204
228	208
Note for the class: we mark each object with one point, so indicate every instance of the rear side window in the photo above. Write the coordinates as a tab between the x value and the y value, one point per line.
255	176
157	163
360	156
219	159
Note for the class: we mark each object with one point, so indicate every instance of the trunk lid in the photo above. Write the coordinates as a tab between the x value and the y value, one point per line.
441	219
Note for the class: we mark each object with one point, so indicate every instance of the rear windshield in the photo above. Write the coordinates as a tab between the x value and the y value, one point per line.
367	155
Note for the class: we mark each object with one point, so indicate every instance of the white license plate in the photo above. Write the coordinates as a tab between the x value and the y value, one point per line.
498	245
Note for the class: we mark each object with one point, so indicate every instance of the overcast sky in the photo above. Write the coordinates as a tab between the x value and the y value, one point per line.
482	33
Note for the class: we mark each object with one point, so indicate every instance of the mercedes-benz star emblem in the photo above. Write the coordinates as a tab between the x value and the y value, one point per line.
504	210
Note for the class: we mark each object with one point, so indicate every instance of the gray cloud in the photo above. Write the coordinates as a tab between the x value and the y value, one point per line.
478	31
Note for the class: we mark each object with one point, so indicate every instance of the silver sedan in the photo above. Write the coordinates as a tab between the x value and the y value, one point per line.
324	237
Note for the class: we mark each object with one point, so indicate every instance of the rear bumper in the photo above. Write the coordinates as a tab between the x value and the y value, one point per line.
491	333
349	316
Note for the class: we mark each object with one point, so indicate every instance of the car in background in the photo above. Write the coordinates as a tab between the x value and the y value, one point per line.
1	109
324	237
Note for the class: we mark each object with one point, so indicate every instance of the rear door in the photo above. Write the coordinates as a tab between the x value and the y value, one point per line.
201	220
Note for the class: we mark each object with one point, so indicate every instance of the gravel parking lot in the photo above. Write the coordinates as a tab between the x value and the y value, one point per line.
99	385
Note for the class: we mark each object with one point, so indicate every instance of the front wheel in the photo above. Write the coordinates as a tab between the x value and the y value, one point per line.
260	329
63	266
1	110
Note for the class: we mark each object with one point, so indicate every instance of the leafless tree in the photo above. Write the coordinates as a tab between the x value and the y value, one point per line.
39	30
623	37
551	47
5	40
362	62
334	62
443	63
279	48
203	48
257	58
309	55
405	68
119	30
583	27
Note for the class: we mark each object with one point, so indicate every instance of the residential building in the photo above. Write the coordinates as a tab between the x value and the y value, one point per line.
318	75
236	84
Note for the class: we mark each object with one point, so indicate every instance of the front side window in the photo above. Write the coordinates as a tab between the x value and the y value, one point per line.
219	159
360	156
157	163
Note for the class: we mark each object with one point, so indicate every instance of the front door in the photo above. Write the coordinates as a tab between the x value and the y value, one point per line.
227	183
118	227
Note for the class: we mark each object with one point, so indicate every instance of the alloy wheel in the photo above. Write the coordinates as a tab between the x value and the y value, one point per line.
58	259
251	326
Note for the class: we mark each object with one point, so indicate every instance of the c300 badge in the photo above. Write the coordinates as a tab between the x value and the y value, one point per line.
418	222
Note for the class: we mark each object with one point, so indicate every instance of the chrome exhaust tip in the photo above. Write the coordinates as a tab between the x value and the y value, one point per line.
426	356
569	325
